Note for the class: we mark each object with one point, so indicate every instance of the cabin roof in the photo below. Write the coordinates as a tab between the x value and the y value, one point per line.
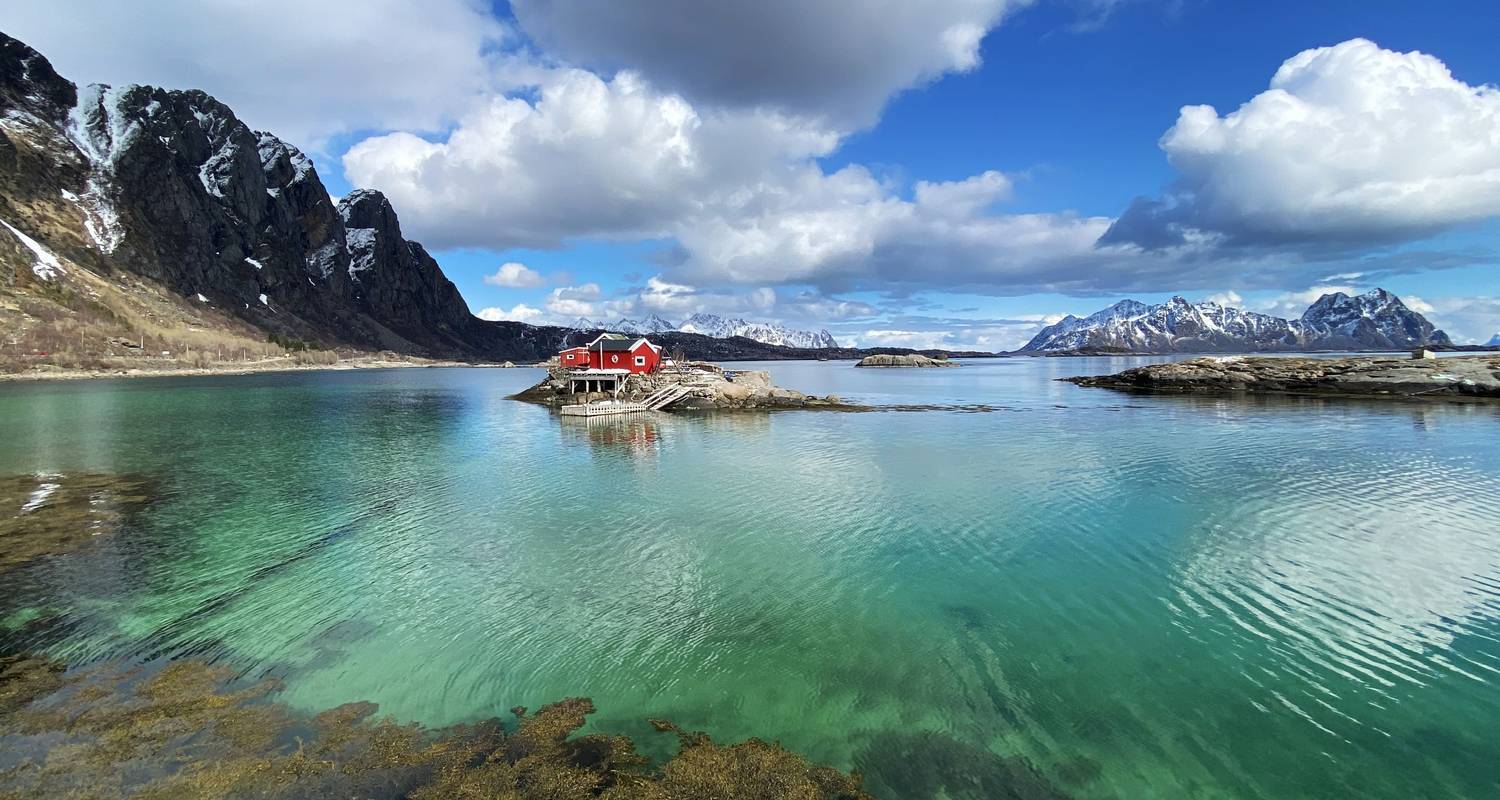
616	343
608	337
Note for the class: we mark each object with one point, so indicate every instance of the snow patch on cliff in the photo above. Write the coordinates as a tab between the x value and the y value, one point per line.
46	266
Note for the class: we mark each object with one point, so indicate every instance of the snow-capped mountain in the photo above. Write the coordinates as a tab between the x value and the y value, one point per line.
651	324
715	326
1494	341
1377	320
768	333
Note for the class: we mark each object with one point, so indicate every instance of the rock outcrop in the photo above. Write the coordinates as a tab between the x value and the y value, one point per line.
1458	377
711	389
908	360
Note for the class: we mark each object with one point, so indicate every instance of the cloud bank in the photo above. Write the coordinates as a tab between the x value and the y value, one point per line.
835	61
1350	145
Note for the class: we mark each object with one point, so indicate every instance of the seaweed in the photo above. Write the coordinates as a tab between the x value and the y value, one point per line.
51	514
187	729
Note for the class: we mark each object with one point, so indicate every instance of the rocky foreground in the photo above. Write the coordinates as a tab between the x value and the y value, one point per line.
907	360
1405	378
713	389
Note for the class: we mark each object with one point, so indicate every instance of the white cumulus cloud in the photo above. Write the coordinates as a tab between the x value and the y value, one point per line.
515	275
1349	144
1226	298
586	157
520	312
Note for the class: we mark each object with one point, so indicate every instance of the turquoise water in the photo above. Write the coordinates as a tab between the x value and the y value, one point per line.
1116	595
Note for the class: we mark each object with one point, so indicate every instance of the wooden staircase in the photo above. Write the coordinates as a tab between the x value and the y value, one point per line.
667	395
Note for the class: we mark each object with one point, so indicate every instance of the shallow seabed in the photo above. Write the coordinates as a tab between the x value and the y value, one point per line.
1121	595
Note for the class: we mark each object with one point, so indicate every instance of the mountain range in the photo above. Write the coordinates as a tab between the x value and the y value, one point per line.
714	326
1377	320
717	327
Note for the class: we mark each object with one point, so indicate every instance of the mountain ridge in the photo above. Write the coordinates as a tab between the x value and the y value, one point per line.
717	327
1376	320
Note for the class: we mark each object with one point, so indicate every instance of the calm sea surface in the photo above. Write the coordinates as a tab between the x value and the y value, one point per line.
1123	596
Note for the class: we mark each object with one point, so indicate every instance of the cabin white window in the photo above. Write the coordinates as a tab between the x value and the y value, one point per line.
571	356
640	361
614	359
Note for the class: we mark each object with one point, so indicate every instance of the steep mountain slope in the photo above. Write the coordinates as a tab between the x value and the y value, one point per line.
1494	341
172	189
1374	321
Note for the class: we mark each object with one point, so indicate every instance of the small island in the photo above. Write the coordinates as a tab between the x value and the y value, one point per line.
1387	377
614	374
904	360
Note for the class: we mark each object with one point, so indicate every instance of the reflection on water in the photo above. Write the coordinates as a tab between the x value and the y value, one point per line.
636	434
1101	594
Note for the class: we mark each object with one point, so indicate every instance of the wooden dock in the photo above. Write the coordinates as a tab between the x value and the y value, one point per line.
656	401
602	408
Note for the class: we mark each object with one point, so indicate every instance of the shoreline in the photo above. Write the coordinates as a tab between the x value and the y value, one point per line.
251	368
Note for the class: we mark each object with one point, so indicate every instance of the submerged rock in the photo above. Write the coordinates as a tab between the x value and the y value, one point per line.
53	513
907	360
1461	377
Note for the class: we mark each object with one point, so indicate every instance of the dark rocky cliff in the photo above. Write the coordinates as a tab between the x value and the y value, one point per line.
170	186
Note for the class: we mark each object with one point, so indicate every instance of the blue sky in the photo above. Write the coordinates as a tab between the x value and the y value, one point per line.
954	175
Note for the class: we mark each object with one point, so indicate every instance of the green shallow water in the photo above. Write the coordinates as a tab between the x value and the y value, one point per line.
1127	596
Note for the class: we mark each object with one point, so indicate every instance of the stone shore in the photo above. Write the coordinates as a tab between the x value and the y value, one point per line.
1398	378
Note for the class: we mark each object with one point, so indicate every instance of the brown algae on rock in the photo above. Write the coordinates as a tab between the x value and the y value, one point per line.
187	730
54	513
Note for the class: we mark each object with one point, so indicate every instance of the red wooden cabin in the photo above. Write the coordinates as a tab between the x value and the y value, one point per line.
613	351
574	358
